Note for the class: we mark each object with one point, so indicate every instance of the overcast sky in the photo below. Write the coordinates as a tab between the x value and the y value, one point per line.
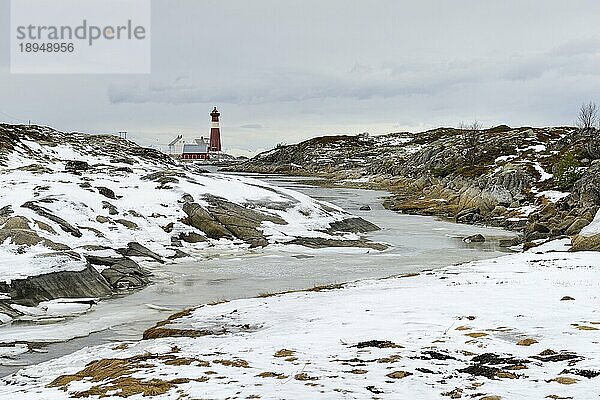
283	71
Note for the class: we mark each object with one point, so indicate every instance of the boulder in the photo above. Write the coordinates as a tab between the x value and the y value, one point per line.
102	219
137	250
354	225
16	222
28	237
76	166
112	210
468	215
106	192
64	284
585	243
126	223
126	274
366	207
200	218
321	243
44	226
577	226
191	237
510	242
122	273
474	239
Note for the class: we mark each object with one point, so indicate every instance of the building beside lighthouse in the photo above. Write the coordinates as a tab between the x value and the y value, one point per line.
200	149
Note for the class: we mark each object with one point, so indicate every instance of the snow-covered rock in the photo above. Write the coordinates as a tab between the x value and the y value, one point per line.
68	199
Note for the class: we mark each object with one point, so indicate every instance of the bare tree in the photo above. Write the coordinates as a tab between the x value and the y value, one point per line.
471	136
588	116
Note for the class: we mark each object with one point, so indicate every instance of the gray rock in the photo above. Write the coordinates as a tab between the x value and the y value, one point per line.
16	222
76	166
200	218
137	250
124	169
474	239
585	243
123	273
112	210
126	223
65	284
179	254
64	225
510	242
191	237
577	226
366	207
106	192
354	225
320	243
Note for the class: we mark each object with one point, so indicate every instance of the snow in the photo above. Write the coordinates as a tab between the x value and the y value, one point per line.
593	228
543	174
75	198
457	312
538	148
36	261
553	195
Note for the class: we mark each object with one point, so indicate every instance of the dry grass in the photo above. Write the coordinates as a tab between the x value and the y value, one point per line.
157	332
389	360
586	328
284	353
100	370
527	342
317	288
128	386
238	363
271	375
564	380
398	374
506	375
359	371
303	376
476	334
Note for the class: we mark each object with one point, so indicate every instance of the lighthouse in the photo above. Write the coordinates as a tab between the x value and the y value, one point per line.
215	131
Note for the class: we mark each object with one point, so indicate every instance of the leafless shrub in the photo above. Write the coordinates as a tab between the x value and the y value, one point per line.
588	116
471	136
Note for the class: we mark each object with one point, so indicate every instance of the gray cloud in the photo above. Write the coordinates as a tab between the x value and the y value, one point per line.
303	68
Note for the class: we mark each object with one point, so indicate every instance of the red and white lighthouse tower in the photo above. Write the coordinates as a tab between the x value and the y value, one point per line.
215	131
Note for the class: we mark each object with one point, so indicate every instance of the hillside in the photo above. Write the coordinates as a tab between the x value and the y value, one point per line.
544	182
85	216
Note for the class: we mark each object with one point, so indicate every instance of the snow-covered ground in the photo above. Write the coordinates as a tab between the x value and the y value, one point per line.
33	172
522	326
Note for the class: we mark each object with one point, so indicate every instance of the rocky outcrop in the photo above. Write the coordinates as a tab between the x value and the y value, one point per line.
354	225
586	243
321	243
122	274
137	250
43	212
18	231
224	219
65	284
497	180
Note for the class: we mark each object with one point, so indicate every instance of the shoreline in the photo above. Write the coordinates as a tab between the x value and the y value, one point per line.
341	337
